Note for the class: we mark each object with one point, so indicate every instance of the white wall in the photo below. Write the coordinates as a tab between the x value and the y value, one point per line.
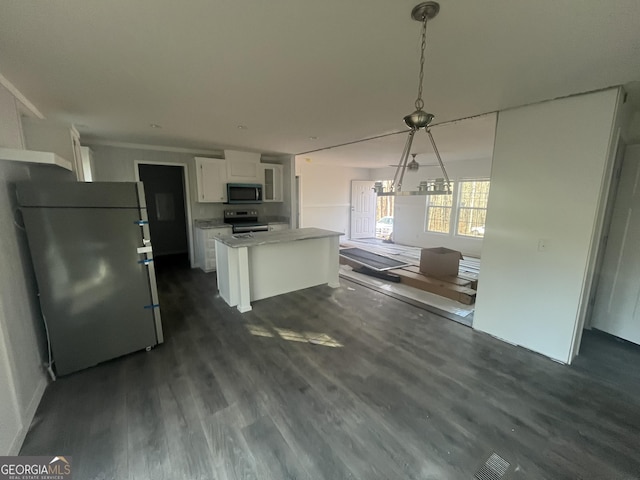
549	166
117	164
326	194
410	212
288	208
22	344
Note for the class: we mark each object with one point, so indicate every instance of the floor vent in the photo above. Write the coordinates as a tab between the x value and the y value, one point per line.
493	469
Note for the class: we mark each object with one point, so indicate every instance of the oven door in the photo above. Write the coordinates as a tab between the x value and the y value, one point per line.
250	228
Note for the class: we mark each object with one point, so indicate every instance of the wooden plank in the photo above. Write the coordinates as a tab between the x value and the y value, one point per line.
460	280
472	278
439	287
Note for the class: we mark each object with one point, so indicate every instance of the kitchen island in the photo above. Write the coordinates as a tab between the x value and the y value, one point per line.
264	264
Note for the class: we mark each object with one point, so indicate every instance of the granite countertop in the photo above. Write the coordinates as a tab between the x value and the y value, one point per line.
279	236
210	223
274	219
219	222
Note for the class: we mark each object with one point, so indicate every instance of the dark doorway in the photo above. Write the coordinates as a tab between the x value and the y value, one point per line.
164	192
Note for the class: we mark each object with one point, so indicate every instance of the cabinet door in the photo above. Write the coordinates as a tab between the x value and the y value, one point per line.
207	246
242	167
199	247
272	178
211	174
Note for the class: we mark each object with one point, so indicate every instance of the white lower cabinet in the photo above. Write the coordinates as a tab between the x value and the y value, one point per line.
206	246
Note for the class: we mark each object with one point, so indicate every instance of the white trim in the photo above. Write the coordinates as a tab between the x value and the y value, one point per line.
597	237
330	205
298	201
156	148
27	417
187	197
32	156
20	97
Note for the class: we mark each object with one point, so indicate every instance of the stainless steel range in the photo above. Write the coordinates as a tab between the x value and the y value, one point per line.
244	221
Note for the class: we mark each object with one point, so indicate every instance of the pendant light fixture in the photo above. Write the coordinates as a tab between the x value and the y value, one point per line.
416	121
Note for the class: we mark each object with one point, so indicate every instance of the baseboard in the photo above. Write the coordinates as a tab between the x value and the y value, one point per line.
29	414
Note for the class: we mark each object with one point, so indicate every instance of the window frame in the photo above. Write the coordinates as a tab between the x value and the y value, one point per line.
459	207
451	208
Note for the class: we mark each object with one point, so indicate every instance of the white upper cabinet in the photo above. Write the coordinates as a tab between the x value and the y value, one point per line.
243	167
211	175
272	182
58	140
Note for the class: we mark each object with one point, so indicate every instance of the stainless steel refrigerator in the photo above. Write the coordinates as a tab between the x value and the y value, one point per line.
93	261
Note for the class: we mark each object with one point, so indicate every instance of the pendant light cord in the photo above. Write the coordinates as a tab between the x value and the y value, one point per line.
419	102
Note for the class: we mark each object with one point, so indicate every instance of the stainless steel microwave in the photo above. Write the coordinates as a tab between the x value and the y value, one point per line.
244	193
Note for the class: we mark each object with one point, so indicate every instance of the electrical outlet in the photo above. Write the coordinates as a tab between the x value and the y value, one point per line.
543	244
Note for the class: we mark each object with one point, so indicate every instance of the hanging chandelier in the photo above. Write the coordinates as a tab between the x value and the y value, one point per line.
416	121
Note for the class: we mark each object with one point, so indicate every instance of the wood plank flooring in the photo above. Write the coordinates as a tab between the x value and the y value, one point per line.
402	394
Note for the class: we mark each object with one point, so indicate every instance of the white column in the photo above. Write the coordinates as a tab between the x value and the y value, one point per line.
334	262
244	300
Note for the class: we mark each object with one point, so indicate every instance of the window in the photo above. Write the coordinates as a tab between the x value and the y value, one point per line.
472	207
468	201
439	212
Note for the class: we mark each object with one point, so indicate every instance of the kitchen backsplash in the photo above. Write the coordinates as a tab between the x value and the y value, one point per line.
216	210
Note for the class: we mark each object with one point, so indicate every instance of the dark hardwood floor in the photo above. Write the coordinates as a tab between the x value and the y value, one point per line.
329	383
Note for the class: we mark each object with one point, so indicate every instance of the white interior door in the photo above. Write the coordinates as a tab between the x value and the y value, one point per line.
363	209
617	304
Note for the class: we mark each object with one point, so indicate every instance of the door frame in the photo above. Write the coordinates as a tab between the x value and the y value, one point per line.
606	229
594	264
187	197
297	182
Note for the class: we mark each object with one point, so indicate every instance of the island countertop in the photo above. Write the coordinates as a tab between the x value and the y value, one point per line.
211	223
278	236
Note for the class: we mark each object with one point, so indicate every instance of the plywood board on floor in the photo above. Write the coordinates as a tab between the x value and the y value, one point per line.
411	293
435	285
371	260
461	281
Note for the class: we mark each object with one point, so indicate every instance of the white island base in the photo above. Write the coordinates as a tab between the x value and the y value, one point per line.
272	263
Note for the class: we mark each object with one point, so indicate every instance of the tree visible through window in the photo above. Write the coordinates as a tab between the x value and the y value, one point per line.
439	212
472	207
468	202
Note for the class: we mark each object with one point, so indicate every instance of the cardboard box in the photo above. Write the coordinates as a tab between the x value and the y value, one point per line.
440	262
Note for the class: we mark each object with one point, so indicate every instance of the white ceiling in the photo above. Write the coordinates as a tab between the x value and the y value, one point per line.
469	139
292	69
